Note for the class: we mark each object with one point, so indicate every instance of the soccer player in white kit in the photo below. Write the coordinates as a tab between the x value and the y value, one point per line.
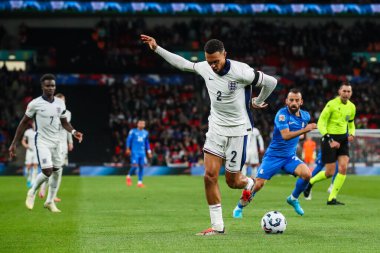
48	113
30	155
253	159
229	86
66	141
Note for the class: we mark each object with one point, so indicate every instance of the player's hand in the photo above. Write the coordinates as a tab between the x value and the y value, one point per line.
12	151
334	144
150	155
149	40
127	152
261	151
78	136
258	106
70	147
351	138
311	126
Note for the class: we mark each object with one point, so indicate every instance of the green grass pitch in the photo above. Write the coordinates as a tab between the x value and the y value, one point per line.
100	214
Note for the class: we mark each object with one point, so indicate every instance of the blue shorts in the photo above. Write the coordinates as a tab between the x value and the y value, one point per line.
271	165
139	159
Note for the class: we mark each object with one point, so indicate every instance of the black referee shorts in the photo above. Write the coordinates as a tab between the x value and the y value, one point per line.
330	155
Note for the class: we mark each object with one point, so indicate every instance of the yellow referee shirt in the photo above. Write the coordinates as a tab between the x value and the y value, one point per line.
336	117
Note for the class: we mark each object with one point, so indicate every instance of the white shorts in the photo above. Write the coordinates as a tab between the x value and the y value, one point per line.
31	157
252	157
49	156
232	149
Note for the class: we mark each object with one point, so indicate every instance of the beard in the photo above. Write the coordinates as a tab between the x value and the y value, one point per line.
293	109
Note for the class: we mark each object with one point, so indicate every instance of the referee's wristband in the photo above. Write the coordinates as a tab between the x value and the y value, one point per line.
73	131
328	138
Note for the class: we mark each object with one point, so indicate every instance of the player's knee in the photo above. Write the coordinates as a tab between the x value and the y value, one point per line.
47	172
306	175
210	177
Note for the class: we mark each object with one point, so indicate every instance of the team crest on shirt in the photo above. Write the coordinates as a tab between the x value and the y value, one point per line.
232	85
59	110
44	161
281	117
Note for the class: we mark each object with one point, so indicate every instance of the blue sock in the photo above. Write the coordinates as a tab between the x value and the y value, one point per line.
300	186
141	172
132	171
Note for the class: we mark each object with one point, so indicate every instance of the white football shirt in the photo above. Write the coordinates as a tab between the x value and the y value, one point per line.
47	117
229	93
29	135
229	97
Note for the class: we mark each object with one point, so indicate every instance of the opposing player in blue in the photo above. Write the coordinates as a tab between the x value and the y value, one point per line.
290	123
317	169
137	145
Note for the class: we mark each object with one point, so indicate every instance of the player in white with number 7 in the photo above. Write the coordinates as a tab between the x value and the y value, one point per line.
229	84
48	113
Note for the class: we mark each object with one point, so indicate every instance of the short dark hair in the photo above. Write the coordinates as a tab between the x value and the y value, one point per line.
294	90
47	77
344	84
213	46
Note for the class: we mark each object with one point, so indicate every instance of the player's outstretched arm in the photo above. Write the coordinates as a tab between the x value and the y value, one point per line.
19	132
69	128
173	59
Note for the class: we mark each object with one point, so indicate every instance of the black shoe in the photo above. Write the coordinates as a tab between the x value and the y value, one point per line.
306	192
334	202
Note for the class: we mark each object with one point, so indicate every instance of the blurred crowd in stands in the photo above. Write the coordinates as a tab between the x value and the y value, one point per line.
15	94
314	58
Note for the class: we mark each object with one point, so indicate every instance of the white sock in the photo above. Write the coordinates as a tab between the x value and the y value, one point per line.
39	180
59	181
139	182
216	217
43	186
291	197
53	183
249	184
34	175
244	169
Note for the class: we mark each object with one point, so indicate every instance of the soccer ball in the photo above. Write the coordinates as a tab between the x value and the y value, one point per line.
273	222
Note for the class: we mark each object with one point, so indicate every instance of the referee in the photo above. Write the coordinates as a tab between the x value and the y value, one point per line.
336	124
